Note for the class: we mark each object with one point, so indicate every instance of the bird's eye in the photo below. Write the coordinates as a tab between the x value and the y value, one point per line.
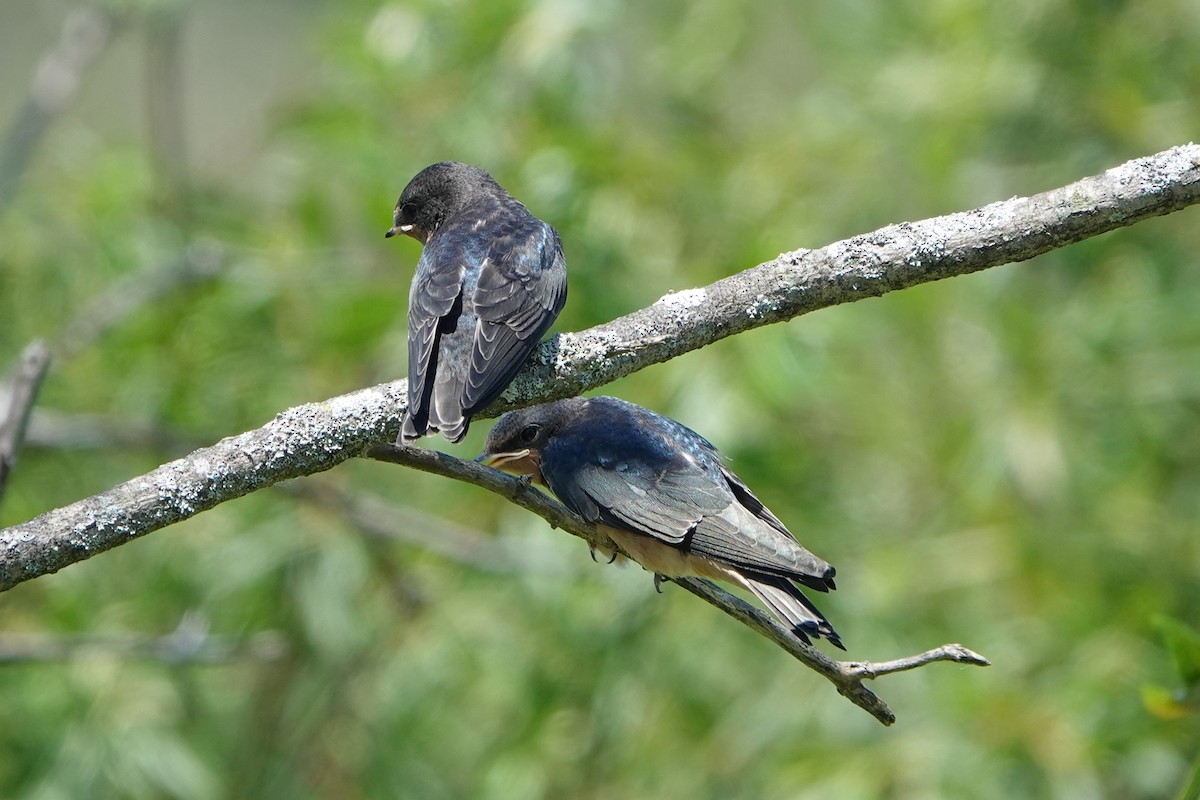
529	433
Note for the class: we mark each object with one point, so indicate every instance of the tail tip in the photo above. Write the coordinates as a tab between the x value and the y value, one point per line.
409	431
412	429
455	433
821	630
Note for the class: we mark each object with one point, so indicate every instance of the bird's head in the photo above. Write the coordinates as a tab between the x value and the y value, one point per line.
516	442
434	194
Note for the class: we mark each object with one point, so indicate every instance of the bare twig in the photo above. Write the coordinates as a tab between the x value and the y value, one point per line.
947	652
35	360
85	33
847	676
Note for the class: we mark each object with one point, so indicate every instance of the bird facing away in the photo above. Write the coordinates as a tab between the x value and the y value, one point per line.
661	493
490	281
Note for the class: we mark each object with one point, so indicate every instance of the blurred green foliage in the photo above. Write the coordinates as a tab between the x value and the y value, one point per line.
1009	460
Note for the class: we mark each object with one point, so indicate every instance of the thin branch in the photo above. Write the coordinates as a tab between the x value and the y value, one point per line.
35	360
515	490
847	676
947	652
315	437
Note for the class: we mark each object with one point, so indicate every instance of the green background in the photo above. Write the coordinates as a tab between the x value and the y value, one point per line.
1009	460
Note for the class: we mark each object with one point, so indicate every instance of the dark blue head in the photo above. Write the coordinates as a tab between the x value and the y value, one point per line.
516	442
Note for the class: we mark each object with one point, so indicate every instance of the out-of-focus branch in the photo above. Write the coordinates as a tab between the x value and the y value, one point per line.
61	430
381	520
190	643
199	261
85	34
847	676
35	360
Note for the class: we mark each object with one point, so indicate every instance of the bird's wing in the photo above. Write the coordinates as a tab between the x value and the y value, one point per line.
684	505
522	287
662	498
691	502
434	294
740	537
749	535
752	504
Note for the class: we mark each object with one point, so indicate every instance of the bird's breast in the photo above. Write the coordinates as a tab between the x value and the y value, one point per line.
664	559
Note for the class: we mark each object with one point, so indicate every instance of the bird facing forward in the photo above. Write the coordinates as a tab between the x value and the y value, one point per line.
663	495
490	281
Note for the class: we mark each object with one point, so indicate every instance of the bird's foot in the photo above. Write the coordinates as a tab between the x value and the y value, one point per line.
592	552
659	580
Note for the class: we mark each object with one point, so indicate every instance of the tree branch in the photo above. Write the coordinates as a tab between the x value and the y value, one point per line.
847	676
35	360
315	437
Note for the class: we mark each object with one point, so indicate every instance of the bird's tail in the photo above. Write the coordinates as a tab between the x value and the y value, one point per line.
445	407
428	420
786	601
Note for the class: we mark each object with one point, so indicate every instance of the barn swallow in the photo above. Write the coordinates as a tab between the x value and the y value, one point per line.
490	281
663	495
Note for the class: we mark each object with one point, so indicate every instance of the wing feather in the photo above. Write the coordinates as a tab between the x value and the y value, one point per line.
667	482
436	291
522	288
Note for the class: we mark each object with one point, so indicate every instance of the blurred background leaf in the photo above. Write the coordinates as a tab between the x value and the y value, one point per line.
1010	460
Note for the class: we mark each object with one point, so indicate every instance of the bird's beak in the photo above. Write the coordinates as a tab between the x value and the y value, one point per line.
395	229
499	460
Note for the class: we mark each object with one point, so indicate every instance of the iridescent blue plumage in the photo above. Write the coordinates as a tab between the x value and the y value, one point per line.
490	282
665	497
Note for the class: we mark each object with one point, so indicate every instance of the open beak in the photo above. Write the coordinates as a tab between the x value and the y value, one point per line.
395	229
517	462
500	460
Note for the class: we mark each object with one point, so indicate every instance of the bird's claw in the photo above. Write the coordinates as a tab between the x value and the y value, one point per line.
592	553
659	580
